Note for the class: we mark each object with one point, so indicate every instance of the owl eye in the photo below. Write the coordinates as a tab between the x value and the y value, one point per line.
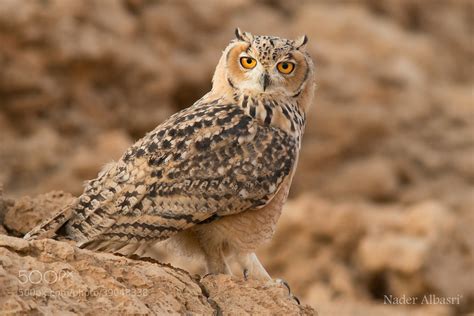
248	62
285	67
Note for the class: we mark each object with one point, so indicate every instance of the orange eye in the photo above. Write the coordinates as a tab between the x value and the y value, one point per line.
285	67
248	62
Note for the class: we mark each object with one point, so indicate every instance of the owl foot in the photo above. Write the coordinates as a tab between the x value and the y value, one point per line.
251	267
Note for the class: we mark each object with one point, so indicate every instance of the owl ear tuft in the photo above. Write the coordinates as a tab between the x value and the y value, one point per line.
301	42
243	36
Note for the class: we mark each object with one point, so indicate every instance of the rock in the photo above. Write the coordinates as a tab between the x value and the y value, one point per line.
5	204
360	250
394	252
407	255
374	179
253	298
28	212
51	277
110	146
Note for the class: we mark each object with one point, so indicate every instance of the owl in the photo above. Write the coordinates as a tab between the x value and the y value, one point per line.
212	179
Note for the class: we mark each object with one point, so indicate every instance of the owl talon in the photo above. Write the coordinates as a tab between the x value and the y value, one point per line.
296	299
285	284
207	274
246	274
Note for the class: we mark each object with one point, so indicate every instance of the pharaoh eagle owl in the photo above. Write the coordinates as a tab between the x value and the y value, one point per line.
213	178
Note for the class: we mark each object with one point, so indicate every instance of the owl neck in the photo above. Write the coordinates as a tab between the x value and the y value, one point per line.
283	113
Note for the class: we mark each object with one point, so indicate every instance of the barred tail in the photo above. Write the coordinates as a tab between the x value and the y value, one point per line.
49	227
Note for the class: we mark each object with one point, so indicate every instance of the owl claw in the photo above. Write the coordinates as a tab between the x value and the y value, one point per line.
296	299
207	275
285	284
246	274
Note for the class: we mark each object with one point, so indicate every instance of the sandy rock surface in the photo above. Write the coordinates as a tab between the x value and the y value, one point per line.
51	277
360	252
28	212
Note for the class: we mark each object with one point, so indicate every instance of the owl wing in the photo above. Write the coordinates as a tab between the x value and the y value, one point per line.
207	161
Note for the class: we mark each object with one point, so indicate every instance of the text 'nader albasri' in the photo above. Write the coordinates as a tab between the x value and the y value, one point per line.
425	299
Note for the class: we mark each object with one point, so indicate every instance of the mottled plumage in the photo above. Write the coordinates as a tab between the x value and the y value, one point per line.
212	177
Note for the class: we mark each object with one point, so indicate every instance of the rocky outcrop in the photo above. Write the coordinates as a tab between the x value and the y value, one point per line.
361	252
52	277
25	213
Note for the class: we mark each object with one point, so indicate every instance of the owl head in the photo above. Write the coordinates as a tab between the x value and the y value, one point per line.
265	65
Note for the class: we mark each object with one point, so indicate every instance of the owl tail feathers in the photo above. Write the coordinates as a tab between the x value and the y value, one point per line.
49	227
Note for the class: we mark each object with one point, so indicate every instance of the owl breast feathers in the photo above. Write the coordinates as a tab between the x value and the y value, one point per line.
228	154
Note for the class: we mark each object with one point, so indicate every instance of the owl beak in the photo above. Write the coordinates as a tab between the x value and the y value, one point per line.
265	81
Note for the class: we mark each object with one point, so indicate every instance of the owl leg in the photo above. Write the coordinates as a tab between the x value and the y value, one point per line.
215	262
251	267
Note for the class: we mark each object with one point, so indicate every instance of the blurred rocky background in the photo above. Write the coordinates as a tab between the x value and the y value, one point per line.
383	198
